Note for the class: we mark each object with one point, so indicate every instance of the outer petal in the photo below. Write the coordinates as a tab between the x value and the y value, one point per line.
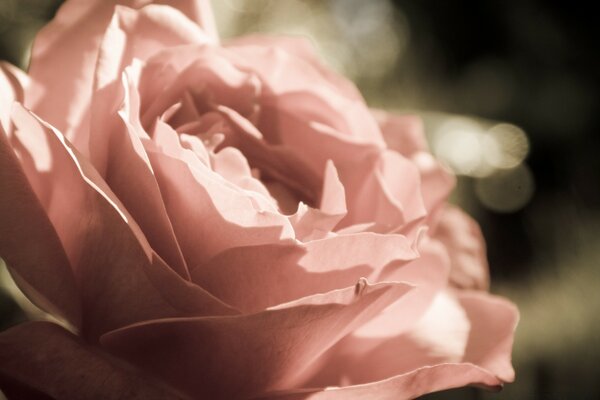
465	244
42	360
405	134
253	278
454	346
407	386
286	75
402	133
302	48
238	357
429	273
29	243
121	279
70	43
386	191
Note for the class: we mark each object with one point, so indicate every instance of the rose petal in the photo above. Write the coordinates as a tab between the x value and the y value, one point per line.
231	164
242	356
210	78
411	385
284	74
439	336
402	133
401	183
437	182
405	134
281	163
428	273
104	245
129	174
466	246
312	138
301	47
208	213
463	341
131	34
493	323
39	359
29	243
311	223
384	191
70	44
253	278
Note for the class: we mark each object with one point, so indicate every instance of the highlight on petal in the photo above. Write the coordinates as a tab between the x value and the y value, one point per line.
243	356
462	340
428	273
13	82
43	360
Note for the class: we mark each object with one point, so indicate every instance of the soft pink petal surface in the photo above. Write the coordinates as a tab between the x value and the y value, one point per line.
13	82
405	134
104	245
70	44
466	246
462	340
238	357
41	358
208	212
252	278
30	245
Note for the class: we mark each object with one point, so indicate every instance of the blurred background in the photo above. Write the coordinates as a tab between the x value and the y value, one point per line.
508	93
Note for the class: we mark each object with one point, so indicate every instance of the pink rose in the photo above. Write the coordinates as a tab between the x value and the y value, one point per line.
227	221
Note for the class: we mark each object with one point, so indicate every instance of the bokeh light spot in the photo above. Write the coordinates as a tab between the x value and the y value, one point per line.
506	191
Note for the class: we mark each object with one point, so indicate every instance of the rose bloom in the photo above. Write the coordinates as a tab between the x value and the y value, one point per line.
213	220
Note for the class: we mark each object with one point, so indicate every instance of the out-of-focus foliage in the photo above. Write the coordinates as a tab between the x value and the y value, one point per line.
508	91
19	22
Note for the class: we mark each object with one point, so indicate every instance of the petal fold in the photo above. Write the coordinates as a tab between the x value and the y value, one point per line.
253	278
243	356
